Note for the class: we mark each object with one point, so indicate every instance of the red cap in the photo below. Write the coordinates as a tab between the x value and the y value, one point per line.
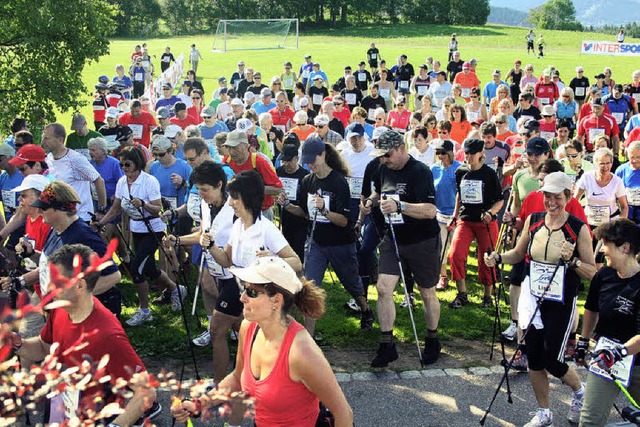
29	153
466	65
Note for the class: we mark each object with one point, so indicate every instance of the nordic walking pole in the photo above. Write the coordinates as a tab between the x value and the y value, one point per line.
404	286
200	270
310	238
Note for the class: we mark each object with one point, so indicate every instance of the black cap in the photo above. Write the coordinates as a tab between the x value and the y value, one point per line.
292	139
123	133
597	101
600	76
289	151
443	145
473	145
179	106
538	146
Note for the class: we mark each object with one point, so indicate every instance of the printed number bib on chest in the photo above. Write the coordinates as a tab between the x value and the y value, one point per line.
372	114
547	135
315	213
193	207
404	84
396	217
422	90
317	99
137	130
173	202
350	98
621	370
466	92
362	77
633	196
579	91
618	116
471	192
290	187
540	274
9	199
594	133
385	93
598	215
355	187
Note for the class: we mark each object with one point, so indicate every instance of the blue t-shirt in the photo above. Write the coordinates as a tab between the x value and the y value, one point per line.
111	172
631	180
260	108
308	68
208	133
10	198
445	183
490	90
10	141
126	83
169	103
565	110
175	196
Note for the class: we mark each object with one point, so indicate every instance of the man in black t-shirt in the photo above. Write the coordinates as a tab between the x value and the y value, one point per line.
371	102
525	108
405	193
363	78
404	74
373	56
455	66
166	59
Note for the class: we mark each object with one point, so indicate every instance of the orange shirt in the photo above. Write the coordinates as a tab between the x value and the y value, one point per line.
459	130
493	106
467	81
303	135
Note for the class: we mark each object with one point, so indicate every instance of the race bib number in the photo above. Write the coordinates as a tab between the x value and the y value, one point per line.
355	187
598	215
442	218
351	98
137	130
9	199
288	82
472	115
471	192
621	370
548	135
466	92
594	133
372	114
374	56
619	117
385	92
173	202
580	91
290	188
214	268
138	77
362	77
317	99
540	274
633	196
112	144
315	213
396	217
193	207
544	101
636	96
404	84
422	90
305	74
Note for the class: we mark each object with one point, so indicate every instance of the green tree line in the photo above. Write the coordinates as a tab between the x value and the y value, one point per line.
145	17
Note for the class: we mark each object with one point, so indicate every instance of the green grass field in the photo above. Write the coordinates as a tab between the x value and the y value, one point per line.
495	47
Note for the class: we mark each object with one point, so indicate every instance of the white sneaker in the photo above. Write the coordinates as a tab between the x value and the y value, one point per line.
353	305
511	332
576	407
540	419
405	302
139	317
233	335
175	298
203	340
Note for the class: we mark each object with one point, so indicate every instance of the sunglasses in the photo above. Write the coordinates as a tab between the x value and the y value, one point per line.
166	88
206	117
440	153
320	126
277	84
252	292
126	164
159	154
195	97
499	123
337	104
573	156
441	132
401	104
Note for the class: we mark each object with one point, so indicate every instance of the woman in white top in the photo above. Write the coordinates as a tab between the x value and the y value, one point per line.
604	192
386	89
422	150
138	195
474	108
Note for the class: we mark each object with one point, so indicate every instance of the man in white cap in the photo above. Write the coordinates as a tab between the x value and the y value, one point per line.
323	132
238	110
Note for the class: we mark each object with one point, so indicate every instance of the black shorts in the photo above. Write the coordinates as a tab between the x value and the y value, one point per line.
229	297
112	300
421	258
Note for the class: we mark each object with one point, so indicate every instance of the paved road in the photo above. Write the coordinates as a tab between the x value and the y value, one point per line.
438	398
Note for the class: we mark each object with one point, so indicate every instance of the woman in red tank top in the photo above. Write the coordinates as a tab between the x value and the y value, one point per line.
279	364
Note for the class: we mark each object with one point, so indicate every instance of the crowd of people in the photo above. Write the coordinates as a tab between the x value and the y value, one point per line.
381	174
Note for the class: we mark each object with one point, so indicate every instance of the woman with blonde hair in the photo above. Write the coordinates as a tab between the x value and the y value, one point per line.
502	93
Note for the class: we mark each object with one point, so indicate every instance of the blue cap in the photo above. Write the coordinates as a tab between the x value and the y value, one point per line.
312	148
355	130
103	79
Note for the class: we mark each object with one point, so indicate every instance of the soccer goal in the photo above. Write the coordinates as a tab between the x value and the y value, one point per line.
254	34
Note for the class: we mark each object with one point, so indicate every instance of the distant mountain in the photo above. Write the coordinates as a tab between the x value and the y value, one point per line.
508	16
588	12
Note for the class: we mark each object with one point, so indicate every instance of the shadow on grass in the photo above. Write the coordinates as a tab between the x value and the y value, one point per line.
388	31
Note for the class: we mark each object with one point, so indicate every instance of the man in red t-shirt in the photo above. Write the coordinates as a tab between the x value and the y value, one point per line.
598	123
282	114
141	123
86	321
546	91
182	117
241	159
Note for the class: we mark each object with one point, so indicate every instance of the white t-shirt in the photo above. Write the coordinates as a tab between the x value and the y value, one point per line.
146	187
74	169
601	201
220	230
224	110
358	161
186	99
428	157
246	242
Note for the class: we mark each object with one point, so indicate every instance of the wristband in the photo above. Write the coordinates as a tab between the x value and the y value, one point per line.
358	222
325	211
143	203
513	221
177	241
286	203
499	259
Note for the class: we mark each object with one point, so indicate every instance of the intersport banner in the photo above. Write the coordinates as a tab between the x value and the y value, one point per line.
590	47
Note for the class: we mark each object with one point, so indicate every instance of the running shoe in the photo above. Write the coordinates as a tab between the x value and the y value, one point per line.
386	354
576	407
511	332
540	419
203	340
176	302
487	302
353	305
150	413
405	302
442	284
233	335
366	321
431	351
570	350
140	317
520	363
163	299
460	301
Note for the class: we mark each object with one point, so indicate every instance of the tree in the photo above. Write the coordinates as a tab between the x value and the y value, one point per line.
44	47
469	12
555	15
137	17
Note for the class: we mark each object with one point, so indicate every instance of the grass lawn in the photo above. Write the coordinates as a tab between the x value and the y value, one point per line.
496	47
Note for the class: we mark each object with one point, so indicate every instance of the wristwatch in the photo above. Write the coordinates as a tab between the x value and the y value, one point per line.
403	206
624	351
575	263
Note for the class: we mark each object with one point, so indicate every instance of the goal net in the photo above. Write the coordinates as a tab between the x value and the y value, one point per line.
253	34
